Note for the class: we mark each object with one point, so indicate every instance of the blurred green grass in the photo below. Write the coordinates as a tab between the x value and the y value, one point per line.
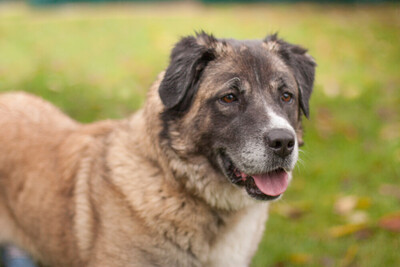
96	62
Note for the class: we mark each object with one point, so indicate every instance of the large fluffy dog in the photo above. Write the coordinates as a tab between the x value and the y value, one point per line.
183	182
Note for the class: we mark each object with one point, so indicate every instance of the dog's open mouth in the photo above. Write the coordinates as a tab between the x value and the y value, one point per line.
265	186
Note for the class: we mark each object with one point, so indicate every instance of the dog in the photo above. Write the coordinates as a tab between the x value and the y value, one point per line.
184	181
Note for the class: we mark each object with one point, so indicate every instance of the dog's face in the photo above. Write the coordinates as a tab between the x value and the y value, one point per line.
239	104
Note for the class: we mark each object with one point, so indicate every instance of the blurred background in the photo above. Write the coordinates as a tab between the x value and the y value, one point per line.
96	60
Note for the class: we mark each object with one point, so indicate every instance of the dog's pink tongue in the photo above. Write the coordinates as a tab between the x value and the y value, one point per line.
272	183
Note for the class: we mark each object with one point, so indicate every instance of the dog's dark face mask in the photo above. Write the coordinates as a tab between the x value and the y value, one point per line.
239	104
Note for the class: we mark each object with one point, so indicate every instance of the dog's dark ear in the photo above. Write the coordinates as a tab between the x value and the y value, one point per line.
301	64
188	59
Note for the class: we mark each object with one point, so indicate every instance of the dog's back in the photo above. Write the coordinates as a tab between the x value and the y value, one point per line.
30	175
46	162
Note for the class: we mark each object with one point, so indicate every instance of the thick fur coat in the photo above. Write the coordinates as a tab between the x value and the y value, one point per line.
182	182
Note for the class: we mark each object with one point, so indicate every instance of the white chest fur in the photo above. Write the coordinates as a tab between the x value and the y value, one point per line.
238	241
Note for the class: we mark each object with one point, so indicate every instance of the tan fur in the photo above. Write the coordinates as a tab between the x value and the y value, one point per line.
111	194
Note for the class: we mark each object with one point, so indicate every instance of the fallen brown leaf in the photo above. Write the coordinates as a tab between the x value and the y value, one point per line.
324	123
290	211
347	229
345	205
364	234
390	190
300	258
390	222
390	132
327	261
279	264
357	216
350	256
363	203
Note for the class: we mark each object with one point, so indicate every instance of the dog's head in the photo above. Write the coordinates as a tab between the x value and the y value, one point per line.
239	105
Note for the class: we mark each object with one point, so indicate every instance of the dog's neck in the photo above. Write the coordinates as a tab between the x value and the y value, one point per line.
180	185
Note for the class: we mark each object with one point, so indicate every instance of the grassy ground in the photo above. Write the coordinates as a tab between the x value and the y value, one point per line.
97	62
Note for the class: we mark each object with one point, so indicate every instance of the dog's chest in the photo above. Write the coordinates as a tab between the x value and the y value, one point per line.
237	242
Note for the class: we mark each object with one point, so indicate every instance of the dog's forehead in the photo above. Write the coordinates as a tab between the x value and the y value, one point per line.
253	63
247	49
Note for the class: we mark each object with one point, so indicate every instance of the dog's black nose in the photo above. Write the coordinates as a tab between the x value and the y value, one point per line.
281	141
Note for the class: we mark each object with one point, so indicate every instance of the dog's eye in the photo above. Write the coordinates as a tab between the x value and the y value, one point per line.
230	98
287	97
